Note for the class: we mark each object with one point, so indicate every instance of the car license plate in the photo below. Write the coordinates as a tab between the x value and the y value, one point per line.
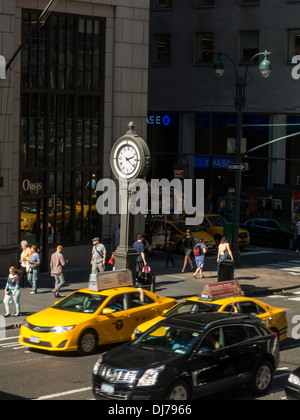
34	340
107	389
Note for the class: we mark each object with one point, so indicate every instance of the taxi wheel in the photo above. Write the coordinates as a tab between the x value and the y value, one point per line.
179	391
87	343
261	379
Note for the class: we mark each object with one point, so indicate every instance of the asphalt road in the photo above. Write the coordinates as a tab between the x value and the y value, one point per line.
26	374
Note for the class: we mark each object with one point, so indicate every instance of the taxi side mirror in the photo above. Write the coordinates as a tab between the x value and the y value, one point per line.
107	311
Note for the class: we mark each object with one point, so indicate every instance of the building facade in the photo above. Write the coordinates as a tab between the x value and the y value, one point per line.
70	93
192	120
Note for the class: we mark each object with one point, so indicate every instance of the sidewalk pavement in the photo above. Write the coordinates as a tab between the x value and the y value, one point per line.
255	281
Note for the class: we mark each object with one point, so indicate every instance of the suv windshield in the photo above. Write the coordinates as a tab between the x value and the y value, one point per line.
168	339
81	302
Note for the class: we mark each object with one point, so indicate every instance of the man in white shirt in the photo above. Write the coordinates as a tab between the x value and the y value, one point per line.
98	257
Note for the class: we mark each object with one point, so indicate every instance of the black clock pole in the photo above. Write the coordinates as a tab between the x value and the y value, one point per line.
125	255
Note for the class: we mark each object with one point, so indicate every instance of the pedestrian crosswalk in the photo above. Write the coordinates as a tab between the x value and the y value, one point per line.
292	267
10	343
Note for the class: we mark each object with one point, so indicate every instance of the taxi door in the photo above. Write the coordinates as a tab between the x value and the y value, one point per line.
113	323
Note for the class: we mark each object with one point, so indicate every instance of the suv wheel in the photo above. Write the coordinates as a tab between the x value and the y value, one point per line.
262	378
87	343
179	391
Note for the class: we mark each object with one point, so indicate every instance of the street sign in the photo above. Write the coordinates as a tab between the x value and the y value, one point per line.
2	68
238	166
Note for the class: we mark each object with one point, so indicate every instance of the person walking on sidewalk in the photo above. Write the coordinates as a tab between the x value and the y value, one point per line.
297	236
168	244
12	291
24	260
98	257
140	249
33	267
199	251
224	251
188	246
56	267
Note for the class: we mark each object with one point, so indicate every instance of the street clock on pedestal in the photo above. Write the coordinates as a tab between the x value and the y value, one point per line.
130	156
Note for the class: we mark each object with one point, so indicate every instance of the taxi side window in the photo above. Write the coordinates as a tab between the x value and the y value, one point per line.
136	299
116	303
250	308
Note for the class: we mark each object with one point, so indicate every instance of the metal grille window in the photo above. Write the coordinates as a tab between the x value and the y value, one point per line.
62	126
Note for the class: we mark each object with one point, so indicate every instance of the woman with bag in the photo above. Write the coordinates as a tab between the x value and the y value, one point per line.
33	266
224	251
199	251
12	291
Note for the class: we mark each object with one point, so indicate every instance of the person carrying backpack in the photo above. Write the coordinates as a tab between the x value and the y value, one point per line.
199	252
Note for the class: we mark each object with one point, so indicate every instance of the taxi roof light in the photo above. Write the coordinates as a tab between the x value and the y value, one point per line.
222	290
110	280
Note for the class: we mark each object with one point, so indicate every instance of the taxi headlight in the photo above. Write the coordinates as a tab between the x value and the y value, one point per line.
293	379
136	333
61	330
150	377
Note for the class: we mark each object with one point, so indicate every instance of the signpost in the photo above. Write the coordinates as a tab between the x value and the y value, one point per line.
238	167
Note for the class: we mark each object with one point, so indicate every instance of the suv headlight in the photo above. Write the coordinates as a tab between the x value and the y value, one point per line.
150	377
98	365
293	379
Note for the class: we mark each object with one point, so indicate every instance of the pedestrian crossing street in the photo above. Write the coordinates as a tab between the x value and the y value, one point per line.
292	267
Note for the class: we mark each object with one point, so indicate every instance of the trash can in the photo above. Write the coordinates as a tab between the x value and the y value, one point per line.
228	232
225	271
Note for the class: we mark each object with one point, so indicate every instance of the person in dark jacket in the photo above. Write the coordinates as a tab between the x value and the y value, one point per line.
188	246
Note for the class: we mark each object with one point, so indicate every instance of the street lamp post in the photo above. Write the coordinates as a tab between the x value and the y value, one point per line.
240	100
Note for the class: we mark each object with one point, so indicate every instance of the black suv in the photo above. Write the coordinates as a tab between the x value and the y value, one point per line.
189	356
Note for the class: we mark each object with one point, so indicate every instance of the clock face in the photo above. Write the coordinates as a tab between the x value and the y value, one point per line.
127	159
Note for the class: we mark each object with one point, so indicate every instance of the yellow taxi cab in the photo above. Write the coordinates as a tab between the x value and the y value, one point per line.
178	230
226	297
214	225
101	314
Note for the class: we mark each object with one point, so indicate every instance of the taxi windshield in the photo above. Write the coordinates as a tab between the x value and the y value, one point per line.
81	302
217	221
168	339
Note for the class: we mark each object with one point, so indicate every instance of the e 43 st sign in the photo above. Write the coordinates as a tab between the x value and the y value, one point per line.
238	166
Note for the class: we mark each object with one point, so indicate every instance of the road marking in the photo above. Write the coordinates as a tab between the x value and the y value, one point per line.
9	338
62	394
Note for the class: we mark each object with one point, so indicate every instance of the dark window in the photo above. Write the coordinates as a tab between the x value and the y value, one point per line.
163	4
234	335
162	49
62	126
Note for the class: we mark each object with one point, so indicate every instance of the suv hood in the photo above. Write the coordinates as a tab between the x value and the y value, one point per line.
129	357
